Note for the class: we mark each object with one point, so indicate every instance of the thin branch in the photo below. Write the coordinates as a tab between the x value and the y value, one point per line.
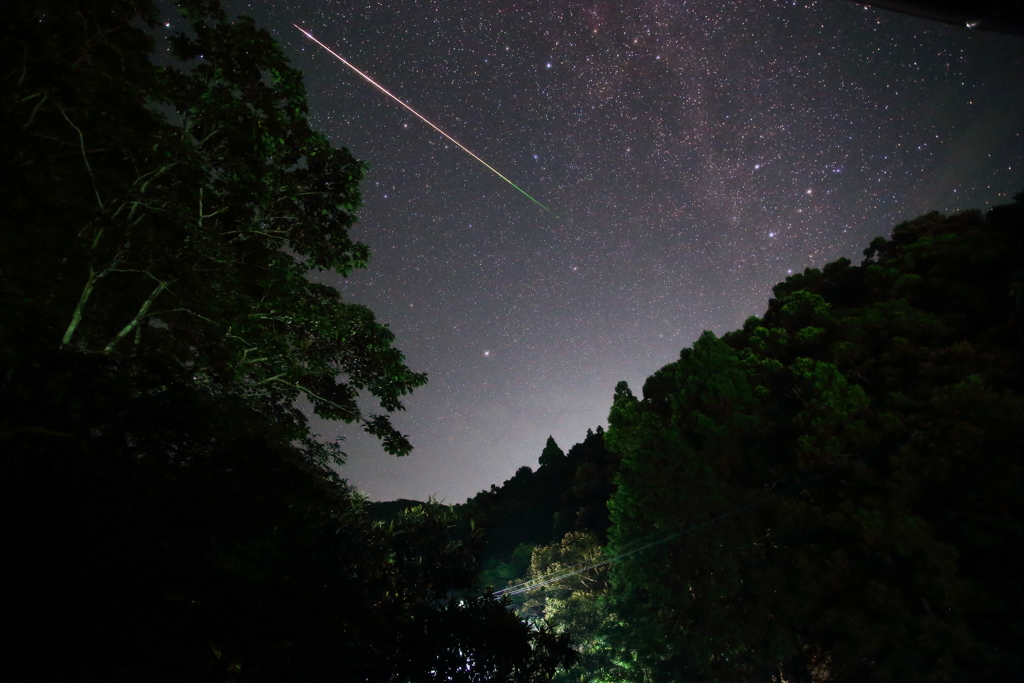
207	215
143	310
32	116
134	205
85	157
85	227
358	413
155	173
76	315
278	318
32	430
51	138
184	310
213	132
275	378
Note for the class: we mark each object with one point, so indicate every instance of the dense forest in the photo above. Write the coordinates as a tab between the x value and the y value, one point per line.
832	493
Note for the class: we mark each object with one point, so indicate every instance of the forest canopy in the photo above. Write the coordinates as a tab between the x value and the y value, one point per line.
831	493
172	212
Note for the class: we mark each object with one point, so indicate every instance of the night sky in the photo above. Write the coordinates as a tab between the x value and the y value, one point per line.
692	153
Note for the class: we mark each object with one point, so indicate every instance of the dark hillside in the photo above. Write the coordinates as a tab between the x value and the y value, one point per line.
832	493
567	492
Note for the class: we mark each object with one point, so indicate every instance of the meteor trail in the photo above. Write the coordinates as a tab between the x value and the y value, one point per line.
423	118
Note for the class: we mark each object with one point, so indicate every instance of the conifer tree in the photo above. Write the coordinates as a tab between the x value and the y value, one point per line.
552	455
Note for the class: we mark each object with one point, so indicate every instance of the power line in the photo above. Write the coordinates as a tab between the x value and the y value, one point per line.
581	567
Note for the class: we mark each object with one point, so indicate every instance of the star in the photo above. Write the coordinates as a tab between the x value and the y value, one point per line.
652	172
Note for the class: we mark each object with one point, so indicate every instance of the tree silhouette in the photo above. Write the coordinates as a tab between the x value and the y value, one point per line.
174	211
167	515
552	455
835	483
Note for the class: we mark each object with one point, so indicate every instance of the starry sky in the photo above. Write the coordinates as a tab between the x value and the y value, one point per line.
692	152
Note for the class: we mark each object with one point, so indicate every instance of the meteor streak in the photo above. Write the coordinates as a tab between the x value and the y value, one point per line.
422	118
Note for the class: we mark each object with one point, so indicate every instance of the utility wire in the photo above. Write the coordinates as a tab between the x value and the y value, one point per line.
581	567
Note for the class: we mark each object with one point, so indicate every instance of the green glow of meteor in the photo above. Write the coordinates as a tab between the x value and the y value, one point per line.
423	119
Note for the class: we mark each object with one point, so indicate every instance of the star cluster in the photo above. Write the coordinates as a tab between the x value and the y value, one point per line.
692	153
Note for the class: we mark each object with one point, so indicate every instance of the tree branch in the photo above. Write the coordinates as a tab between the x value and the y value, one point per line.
155	173
76	315
32	430
143	310
85	157
302	389
35	109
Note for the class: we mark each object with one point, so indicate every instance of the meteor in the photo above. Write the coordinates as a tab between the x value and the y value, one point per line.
422	118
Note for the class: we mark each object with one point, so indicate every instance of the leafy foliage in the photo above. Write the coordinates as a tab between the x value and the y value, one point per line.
567	492
175	211
571	599
832	493
545	521
858	451
172	537
167	514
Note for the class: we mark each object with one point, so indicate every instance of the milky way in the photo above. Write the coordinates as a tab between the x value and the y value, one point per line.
695	152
